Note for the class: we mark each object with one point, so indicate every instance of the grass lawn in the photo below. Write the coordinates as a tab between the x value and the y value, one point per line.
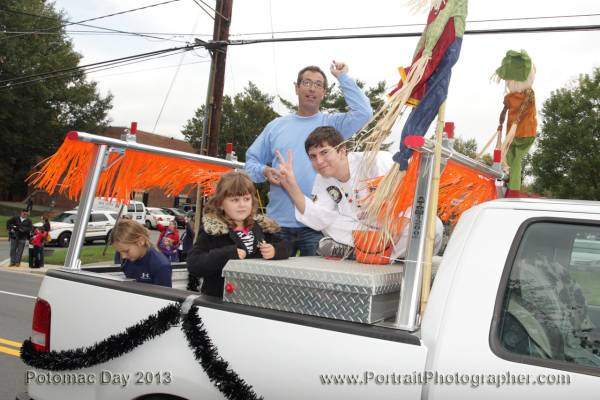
3	219
89	255
590	284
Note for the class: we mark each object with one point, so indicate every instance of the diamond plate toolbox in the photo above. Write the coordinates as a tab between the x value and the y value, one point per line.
343	290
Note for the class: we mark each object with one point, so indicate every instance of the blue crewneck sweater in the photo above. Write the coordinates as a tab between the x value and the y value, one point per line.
290	132
152	268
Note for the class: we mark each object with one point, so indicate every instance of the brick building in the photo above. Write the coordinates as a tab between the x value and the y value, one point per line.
152	197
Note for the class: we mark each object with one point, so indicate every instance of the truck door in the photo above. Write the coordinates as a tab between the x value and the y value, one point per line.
522	319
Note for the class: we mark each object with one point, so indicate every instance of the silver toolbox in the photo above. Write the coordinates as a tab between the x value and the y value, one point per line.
316	286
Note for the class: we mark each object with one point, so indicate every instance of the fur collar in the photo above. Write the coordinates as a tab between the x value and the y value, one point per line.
214	225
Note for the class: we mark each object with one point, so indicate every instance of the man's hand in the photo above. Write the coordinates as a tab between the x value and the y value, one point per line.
241	254
267	250
272	176
338	68
286	170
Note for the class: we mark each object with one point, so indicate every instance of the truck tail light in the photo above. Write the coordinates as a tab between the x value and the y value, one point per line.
40	335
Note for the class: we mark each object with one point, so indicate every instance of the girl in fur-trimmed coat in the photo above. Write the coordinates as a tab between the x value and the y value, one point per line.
232	230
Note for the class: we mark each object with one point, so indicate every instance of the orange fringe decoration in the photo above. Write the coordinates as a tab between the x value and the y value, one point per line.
460	189
65	173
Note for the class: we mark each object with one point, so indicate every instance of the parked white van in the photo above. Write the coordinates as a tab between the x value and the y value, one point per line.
135	209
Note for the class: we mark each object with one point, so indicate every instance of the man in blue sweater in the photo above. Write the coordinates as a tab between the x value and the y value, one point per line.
289	133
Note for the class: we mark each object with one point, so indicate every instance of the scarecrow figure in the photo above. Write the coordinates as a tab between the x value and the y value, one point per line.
424	85
518	72
440	44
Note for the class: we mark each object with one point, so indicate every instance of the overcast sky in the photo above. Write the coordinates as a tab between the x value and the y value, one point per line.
474	103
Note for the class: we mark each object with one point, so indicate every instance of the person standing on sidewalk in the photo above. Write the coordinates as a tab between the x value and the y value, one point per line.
290	132
19	229
36	246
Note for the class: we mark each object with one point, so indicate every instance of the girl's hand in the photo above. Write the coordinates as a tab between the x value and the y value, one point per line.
267	251
241	254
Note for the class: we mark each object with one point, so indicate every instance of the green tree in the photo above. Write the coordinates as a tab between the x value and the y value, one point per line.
565	163
468	147
35	115
243	119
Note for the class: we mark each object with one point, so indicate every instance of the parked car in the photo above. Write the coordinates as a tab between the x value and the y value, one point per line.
156	216
178	214
188	207
99	226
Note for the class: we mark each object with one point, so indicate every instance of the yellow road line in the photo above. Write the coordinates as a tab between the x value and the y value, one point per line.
10	343
12	352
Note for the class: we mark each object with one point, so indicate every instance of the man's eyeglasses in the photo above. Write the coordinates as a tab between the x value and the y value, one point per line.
307	83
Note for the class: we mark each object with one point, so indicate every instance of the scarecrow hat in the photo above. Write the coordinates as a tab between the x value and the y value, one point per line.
516	66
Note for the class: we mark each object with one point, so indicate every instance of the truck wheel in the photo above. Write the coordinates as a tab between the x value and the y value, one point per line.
64	239
148	224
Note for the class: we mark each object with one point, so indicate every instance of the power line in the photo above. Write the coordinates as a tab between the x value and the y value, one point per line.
204	9
215	11
173	80
14	81
67	22
414	24
9	83
88	70
545	29
271	32
150	69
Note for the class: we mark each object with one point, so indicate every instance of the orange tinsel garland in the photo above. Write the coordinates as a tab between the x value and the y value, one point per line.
65	173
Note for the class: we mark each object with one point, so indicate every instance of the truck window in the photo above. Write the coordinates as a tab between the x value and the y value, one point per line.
551	305
130	208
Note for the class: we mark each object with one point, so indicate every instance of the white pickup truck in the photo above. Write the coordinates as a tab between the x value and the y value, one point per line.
511	315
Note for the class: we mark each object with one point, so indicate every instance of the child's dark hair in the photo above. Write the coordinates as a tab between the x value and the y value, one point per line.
323	135
233	184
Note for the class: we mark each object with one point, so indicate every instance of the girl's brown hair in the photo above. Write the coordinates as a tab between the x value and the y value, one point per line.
233	184
130	232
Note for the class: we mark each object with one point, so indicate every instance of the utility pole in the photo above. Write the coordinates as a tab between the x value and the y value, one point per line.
214	98
214	92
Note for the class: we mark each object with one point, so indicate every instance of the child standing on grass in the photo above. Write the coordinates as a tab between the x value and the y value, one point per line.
231	230
140	260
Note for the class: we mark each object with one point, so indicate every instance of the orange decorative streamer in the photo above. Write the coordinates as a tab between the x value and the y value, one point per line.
65	173
460	189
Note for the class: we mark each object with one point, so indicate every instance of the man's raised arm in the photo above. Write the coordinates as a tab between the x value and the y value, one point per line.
360	107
